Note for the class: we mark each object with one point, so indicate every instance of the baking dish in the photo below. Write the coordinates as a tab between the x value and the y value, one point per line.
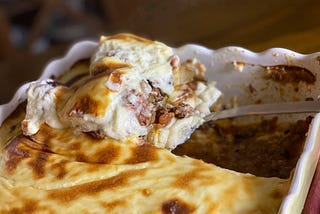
237	70
239	74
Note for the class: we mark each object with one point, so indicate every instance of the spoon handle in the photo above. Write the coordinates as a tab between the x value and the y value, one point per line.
263	109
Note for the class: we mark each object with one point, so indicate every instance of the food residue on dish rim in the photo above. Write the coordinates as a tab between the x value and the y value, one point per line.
239	65
282	73
275	54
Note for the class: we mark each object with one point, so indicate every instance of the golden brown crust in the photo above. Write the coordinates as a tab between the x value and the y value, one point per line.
84	105
55	170
126	37
93	188
107	66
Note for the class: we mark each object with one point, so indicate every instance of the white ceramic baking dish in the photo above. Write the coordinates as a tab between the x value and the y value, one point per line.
239	75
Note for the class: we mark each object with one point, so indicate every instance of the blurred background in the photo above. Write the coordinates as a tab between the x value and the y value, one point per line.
34	32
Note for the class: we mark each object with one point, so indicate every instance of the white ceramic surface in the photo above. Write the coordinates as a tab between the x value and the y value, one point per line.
234	82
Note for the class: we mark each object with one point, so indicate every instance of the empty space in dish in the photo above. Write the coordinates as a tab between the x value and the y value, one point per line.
242	76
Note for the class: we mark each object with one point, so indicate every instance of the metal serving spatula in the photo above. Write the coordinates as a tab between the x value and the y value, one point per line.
264	109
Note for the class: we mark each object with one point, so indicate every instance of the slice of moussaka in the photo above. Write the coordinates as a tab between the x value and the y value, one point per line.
99	139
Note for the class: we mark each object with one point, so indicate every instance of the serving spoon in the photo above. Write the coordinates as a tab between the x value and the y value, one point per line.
265	109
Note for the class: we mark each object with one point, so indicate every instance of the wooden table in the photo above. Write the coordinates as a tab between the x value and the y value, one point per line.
251	24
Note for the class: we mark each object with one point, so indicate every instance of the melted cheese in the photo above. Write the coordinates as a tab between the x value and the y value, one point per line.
41	107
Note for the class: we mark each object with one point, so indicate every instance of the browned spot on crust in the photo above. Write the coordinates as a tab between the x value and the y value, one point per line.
81	157
60	169
146	192
38	164
231	193
40	146
211	206
184	180
108	154
44	136
106	67
143	153
29	206
115	77
248	185
109	206
15	153
60	93
75	146
128	37
290	73
92	188
84	105
176	206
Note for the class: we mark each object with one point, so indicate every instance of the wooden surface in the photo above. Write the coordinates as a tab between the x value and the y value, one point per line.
256	25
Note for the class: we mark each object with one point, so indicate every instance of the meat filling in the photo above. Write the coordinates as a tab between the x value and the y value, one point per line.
154	109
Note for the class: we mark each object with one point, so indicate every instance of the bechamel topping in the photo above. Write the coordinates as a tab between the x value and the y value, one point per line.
41	106
136	88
